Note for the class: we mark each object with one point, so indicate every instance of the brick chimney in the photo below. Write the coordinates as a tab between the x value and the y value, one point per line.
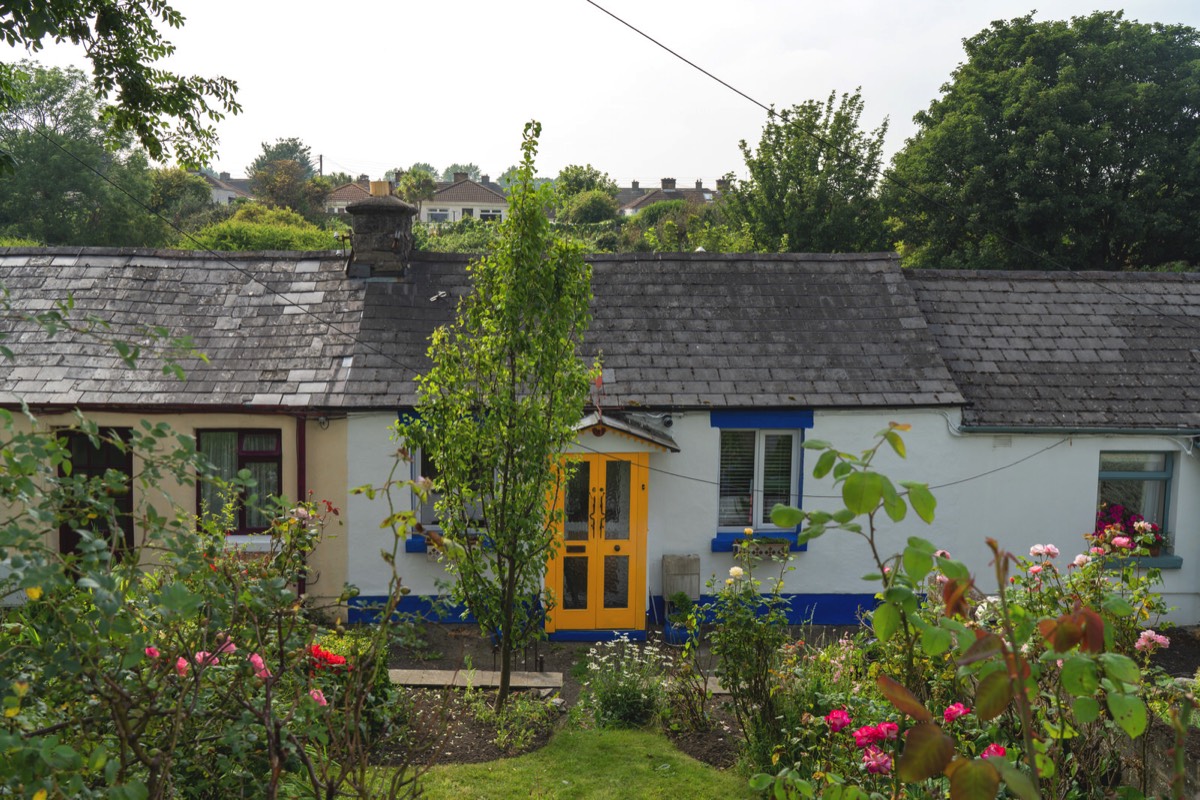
700	184
668	183
484	180
459	177
364	181
382	239
634	185
224	176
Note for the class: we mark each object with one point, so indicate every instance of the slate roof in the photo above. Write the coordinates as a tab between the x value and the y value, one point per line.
245	311
693	330
1093	350
348	193
664	195
699	330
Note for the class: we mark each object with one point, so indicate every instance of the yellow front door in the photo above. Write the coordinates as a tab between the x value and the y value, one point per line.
599	575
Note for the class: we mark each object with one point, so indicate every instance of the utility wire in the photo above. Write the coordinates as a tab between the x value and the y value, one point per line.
888	176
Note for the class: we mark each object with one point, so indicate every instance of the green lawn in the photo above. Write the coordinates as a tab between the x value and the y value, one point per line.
617	764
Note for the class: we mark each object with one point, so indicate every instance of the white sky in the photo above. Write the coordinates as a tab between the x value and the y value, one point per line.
371	85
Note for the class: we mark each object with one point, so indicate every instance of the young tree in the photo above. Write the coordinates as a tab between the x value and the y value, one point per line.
290	149
498	407
415	185
813	181
282	184
574	180
1076	140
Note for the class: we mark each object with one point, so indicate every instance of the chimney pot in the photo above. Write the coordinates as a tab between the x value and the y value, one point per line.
484	179
459	177
668	183
700	184
224	176
634	185
382	235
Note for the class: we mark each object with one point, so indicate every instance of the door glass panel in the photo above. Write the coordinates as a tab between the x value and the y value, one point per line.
575	582
616	501
575	504
616	581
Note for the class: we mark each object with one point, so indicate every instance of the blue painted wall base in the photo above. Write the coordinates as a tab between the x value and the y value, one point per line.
818	609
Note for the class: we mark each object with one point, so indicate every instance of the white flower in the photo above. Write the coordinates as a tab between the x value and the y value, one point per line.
1081	559
735	572
1037	551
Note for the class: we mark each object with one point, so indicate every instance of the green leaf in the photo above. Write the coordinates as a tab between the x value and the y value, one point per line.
816	444
786	516
1079	677
886	621
1120	668
935	640
927	753
843	515
903	700
923	501
954	570
862	492
973	779
1129	712
810	533
896	442
1087	709
992	695
982	649
1117	606
825	463
842	470
917	564
1017	781
923	545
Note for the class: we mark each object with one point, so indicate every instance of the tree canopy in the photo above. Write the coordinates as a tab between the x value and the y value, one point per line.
1058	145
574	180
169	114
67	166
257	227
813	181
471	170
283	184
290	149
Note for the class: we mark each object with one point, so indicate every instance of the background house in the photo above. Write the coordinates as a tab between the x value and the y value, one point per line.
225	189
634	198
353	192
464	198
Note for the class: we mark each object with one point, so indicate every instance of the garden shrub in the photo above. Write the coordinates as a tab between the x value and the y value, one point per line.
625	683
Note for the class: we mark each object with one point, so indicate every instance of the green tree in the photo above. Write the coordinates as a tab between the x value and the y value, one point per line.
290	149
415	185
167	113
423	166
509	176
67	165
183	199
593	205
257	227
573	180
1078	141
283	184
813	180
498	407
471	170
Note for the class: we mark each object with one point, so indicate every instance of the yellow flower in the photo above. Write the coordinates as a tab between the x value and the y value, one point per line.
40	794
34	593
12	711
748	532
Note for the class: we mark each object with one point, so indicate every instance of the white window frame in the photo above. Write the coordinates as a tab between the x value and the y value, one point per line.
756	485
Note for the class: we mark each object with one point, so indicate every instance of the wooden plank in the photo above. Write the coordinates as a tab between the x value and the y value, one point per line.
480	678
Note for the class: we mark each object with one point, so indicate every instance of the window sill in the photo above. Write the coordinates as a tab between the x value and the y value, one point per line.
1168	561
724	541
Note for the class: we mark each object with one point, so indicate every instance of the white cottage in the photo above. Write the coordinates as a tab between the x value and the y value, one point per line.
1032	397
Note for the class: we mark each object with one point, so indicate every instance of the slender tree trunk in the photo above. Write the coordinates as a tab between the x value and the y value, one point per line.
506	632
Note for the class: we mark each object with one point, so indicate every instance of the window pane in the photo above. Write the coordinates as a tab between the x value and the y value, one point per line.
260	442
1141	497
575	582
777	472
616	581
616	499
266	473
737	478
1133	462
219	447
577	503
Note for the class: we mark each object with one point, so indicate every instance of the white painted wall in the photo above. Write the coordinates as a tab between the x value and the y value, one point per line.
1048	498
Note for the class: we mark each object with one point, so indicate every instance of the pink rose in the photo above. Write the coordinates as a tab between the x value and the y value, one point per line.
837	719
877	761
226	647
954	712
1037	551
888	730
1081	559
1051	551
319	697
1123	542
1035	569
152	651
205	658
260	669
866	735
1097	551
991	750
181	666
942	554
1150	641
